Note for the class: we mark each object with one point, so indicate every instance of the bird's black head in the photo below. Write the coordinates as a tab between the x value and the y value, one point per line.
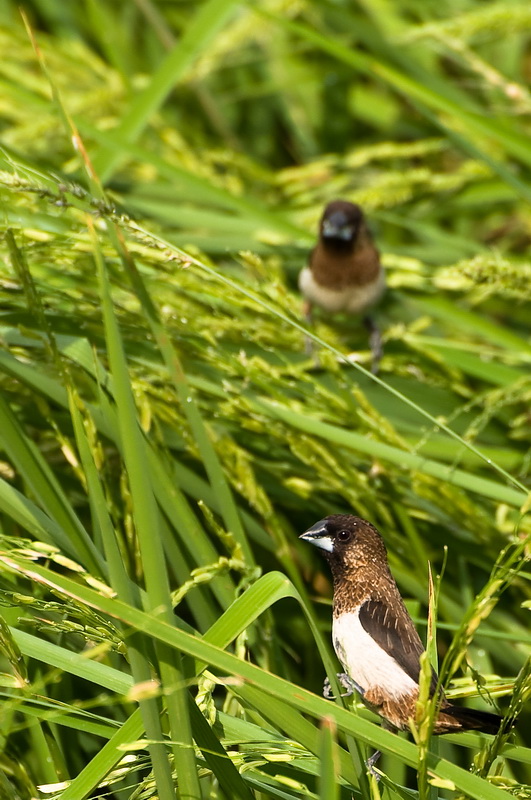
348	543
340	224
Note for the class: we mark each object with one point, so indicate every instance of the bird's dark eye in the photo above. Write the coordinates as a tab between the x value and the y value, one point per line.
344	536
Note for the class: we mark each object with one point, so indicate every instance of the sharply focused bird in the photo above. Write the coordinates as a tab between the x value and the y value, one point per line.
373	634
344	271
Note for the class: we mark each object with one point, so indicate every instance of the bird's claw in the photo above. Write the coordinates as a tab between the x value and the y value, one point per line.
375	343
371	761
309	347
346	682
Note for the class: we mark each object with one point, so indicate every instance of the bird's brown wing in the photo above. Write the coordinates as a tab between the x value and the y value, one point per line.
392	628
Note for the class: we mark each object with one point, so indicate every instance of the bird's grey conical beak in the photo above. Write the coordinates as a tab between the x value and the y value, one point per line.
318	535
338	226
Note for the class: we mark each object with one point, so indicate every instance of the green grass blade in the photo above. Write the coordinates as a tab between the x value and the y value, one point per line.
328	786
157	585
295	696
253	211
36	473
103	762
359	443
218	481
475	124
118	576
196	37
32	519
217	758
280	315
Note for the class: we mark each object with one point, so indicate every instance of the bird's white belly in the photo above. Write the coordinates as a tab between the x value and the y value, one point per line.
353	299
365	661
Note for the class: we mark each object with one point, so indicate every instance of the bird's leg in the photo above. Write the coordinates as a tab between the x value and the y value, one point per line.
346	682
307	314
375	342
371	761
350	685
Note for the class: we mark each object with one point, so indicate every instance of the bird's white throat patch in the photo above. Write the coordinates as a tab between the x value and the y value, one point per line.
365	661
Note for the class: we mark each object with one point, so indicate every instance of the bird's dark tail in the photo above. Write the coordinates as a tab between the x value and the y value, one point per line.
470	719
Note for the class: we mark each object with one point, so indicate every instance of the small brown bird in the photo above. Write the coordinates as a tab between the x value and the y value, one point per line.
373	634
344	271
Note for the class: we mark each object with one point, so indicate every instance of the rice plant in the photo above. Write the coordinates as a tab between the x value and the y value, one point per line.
165	438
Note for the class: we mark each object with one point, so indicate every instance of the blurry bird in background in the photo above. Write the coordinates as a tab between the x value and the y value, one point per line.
344	271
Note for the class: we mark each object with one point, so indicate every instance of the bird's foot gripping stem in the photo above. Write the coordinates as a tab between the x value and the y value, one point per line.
375	343
371	761
346	682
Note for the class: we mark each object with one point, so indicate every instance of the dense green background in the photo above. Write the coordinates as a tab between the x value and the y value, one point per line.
163	167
